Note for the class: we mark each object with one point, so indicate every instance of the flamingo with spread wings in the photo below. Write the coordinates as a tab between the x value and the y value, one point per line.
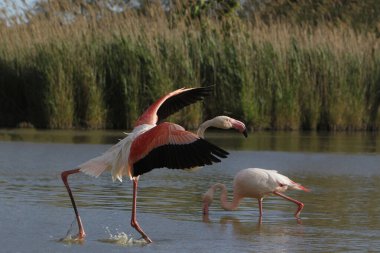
156	144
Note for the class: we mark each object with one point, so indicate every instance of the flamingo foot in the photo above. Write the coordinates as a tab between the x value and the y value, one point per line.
147	239
300	207
142	233
81	235
69	238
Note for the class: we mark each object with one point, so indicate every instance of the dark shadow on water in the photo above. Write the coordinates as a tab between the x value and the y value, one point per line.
62	136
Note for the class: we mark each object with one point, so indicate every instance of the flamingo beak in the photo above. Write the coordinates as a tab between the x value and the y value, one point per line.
240	126
205	208
245	133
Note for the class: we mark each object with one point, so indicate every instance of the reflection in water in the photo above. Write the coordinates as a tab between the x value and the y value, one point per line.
254	228
276	235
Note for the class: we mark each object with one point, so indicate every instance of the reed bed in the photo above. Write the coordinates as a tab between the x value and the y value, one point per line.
86	67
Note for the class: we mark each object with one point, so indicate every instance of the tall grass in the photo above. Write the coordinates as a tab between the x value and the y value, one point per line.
102	69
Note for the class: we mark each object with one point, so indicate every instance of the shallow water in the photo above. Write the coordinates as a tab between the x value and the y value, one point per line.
341	214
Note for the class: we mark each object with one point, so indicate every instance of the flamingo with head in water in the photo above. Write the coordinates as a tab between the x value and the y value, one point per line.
254	183
156	144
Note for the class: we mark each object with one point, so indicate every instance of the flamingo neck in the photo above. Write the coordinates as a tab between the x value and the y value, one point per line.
202	128
229	206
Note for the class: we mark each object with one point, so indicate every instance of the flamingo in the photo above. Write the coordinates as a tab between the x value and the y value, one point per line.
156	144
254	183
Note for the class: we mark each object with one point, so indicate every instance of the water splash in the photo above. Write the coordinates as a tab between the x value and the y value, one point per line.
121	238
70	239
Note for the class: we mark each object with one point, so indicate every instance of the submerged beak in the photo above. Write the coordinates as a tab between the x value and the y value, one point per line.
205	208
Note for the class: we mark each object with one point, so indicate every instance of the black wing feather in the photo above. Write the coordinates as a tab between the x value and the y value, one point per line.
177	102
179	156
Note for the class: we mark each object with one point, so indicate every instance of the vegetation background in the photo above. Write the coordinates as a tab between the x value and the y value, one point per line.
275	64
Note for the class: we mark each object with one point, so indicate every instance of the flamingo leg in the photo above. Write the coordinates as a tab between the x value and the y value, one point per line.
64	176
134	222
261	206
260	200
300	204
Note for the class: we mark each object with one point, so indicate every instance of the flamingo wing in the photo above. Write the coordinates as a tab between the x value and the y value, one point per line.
283	181
171	103
182	99
169	145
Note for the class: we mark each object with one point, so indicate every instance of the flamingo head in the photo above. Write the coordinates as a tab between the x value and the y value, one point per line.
207	200
225	122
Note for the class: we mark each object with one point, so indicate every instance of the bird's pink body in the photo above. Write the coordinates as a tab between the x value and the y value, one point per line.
254	183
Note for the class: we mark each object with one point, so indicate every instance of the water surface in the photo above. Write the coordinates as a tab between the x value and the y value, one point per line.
341	214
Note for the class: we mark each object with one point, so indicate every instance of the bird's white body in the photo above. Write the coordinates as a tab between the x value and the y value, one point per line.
115	158
257	183
253	183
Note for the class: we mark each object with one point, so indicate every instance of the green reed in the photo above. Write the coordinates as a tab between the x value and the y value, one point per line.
91	74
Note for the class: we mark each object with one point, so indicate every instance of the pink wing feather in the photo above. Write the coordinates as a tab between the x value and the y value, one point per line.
171	103
169	145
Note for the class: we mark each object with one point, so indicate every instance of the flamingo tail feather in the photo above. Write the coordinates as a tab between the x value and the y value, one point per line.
94	167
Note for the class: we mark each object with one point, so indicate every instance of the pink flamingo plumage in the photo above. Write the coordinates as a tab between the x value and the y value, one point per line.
254	183
153	144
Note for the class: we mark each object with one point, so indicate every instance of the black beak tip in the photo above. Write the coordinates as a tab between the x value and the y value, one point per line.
245	133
